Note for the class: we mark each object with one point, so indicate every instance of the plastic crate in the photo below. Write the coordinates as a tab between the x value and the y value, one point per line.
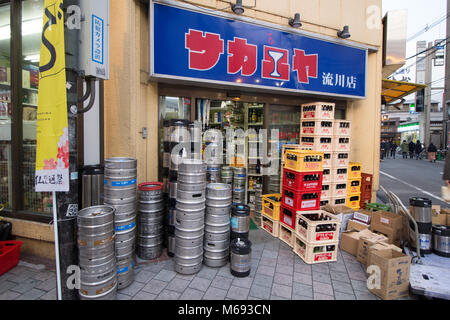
287	217
340	159
316	128
327	176
286	147
341	144
339	189
327	160
366	196
287	235
269	225
366	182
301	200
342	128
338	201
317	231
9	255
353	201
324	202
271	205
320	143
304	160
315	253
354	170
326	191
302	181
354	186
339	175
318	111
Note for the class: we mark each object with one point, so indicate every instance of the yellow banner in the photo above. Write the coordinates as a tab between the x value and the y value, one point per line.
52	154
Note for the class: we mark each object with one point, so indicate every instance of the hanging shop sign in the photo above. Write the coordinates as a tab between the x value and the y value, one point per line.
52	153
193	46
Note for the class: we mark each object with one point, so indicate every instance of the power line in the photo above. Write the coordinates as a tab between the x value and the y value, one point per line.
429	27
430	48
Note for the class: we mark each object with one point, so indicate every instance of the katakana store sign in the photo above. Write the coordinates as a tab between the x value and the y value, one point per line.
193	46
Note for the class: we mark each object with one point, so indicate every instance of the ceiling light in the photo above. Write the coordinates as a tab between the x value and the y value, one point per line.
344	34
238	8
296	21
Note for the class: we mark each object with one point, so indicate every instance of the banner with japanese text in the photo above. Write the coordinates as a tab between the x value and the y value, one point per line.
52	153
188	45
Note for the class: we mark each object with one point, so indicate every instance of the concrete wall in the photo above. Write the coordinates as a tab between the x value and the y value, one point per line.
131	102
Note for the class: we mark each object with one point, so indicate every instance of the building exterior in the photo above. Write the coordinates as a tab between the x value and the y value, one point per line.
137	101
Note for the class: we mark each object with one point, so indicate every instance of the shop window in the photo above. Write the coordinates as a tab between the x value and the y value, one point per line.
5	108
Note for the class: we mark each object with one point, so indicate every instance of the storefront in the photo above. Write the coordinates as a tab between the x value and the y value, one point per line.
409	131
237	71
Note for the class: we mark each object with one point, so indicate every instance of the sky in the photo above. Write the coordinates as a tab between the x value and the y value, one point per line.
420	14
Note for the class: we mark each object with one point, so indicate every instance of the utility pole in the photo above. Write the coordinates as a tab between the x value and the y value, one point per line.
427	100
446	106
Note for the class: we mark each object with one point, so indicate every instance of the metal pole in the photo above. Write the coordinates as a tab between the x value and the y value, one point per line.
445	129
427	99
55	228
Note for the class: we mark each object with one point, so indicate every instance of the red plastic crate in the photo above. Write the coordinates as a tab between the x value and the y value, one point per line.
299	180
288	216
9	255
296	199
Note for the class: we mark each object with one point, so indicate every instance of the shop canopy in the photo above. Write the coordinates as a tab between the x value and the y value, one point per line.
393	91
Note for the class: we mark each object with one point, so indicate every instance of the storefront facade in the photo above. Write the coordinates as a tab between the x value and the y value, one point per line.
152	73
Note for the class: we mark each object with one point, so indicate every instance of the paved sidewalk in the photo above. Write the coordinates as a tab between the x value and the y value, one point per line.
277	274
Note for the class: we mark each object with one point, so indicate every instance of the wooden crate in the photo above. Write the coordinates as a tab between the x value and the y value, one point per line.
309	230
342	128
318	111
271	208
298	160
287	235
310	254
269	225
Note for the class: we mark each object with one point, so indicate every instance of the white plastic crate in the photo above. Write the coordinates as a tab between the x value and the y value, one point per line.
313	231
342	128
316	127
317	143
338	189
318	111
315	253
340	159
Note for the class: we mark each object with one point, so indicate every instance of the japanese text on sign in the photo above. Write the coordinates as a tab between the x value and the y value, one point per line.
97	39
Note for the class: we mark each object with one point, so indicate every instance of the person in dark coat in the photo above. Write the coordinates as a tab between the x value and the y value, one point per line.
393	149
432	150
412	147
418	149
446	175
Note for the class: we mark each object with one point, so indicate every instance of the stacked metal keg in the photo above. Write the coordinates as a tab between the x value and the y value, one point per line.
180	138
120	193
239	180
190	216
217	224
150	220
213	155
226	175
96	254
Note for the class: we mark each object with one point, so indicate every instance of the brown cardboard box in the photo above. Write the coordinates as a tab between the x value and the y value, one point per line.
365	242
337	209
394	273
381	246
349	241
437	217
364	216
356	226
389	224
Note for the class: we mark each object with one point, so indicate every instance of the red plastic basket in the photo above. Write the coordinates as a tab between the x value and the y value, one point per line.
9	255
300	181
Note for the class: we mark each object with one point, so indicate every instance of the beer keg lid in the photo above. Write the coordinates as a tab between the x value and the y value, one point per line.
420	202
239	208
441	230
241	246
151	186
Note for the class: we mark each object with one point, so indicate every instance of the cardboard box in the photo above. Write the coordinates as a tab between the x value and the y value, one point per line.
388	224
381	246
356	226
350	240
394	273
364	216
365	242
337	209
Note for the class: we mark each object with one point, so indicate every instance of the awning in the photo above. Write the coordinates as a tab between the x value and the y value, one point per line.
392	90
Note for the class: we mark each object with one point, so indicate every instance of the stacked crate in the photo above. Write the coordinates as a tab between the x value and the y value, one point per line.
301	189
270	215
317	133
366	189
354	185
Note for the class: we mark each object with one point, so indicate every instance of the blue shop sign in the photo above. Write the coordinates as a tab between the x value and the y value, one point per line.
193	46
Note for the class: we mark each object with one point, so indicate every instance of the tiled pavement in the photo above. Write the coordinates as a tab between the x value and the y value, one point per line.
276	274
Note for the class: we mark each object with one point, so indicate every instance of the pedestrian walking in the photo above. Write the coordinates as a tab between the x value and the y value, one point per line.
432	150
382	149
418	149
411	148
405	149
393	149
387	150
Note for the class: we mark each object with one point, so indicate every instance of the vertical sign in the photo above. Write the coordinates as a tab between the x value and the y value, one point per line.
97	39
52	153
